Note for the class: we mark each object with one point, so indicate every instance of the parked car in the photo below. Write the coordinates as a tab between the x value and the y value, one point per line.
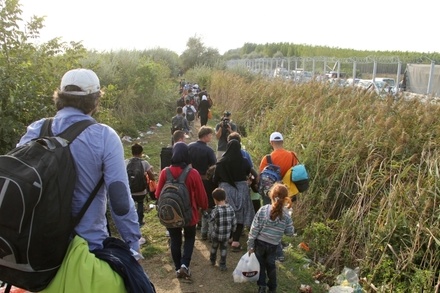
380	87
389	84
351	81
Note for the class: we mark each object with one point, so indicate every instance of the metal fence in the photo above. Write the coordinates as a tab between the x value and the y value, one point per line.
365	68
303	69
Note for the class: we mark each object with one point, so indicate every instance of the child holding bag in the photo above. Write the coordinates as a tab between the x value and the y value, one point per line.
270	223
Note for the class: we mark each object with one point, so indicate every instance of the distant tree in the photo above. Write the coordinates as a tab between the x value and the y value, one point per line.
197	54
278	54
29	74
248	48
232	54
254	55
166	57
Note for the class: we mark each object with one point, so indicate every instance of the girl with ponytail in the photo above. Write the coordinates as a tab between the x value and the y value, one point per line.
270	223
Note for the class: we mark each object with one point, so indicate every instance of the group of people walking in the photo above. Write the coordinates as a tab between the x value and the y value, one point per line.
225	200
219	184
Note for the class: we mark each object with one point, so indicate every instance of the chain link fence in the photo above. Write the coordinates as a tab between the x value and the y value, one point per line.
344	70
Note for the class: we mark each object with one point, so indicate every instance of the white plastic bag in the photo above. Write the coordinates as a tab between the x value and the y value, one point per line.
247	270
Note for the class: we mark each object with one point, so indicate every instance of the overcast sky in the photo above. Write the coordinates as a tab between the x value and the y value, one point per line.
377	25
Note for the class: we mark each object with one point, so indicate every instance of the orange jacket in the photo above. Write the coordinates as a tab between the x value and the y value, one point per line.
281	157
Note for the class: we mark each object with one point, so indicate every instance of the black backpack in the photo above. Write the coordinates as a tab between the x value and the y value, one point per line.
174	204
176	123
190	115
136	175
37	181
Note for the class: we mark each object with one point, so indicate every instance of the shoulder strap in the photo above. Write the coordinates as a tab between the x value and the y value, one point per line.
294	156
268	159
86	205
46	129
75	129
182	176
169	177
70	133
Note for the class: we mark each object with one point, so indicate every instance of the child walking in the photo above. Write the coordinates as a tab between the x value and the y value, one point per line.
270	223
224	223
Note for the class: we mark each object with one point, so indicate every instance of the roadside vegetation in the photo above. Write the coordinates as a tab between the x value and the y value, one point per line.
373	201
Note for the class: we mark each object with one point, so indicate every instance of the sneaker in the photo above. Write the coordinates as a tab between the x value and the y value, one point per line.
223	268
142	241
167	233
185	272
178	275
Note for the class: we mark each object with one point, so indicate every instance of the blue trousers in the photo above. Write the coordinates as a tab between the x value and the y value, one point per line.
189	235
139	200
266	255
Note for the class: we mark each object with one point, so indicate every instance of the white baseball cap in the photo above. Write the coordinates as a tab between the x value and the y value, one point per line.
85	79
276	136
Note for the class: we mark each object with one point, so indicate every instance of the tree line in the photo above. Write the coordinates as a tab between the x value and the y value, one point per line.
140	85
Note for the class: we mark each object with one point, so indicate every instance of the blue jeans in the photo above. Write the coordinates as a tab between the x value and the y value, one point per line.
179	258
139	200
266	254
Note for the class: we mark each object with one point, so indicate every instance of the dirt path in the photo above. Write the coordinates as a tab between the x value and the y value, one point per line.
205	277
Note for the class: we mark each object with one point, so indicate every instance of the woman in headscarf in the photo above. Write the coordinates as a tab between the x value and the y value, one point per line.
203	110
231	174
179	161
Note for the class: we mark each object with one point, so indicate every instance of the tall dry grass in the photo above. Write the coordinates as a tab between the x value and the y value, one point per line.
374	166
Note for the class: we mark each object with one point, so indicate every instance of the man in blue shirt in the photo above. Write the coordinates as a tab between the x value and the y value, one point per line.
97	152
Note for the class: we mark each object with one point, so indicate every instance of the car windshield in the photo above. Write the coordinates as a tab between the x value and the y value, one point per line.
388	81
380	84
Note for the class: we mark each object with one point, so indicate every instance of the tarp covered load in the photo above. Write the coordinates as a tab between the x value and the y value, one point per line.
417	78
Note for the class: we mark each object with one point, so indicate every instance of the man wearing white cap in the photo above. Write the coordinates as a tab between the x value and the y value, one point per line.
97	152
280	157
